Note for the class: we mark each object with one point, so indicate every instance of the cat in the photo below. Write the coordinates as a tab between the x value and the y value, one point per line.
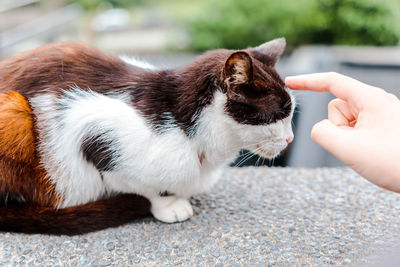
90	140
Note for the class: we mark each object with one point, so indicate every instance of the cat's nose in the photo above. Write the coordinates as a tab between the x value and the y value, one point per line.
289	140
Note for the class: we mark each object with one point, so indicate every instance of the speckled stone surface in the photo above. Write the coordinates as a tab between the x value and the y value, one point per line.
253	217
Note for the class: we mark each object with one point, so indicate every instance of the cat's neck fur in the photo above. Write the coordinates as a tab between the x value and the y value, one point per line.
177	97
190	99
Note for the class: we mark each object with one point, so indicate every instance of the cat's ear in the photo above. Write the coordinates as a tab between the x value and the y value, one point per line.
271	51
238	69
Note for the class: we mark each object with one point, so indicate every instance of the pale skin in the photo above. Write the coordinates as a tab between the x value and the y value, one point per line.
362	128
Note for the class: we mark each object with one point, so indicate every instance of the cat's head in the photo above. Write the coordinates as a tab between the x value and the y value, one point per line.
257	99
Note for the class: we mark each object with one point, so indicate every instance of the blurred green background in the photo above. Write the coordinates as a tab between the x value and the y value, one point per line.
233	23
238	24
159	26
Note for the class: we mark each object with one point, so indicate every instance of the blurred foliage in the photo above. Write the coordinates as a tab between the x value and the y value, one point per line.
93	4
239	24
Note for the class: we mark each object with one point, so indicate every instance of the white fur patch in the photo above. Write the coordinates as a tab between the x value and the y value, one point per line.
137	63
62	125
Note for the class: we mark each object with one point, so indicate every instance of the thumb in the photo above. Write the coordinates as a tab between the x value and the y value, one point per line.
333	138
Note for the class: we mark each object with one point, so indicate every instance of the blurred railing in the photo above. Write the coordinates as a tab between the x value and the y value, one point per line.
40	25
7	5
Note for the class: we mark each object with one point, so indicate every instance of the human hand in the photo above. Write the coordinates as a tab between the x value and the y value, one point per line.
363	126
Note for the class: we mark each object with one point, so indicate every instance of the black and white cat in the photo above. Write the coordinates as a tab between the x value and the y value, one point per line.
103	125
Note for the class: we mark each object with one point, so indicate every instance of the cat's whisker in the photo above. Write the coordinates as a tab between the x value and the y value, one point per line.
287	103
252	154
259	158
293	126
297	111
238	148
245	158
263	162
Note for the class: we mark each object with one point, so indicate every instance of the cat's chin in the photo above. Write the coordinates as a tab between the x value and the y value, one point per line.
266	154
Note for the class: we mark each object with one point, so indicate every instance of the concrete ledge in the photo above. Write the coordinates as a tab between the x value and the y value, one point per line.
254	217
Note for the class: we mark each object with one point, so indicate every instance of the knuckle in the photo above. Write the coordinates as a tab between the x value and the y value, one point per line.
333	75
378	91
392	97
332	103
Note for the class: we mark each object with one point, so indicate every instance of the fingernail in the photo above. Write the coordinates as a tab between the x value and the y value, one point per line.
288	79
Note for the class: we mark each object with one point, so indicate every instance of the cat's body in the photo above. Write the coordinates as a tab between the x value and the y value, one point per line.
90	126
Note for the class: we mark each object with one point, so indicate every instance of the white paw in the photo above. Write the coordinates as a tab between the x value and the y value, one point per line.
171	209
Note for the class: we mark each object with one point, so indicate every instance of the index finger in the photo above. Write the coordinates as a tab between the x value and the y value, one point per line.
341	86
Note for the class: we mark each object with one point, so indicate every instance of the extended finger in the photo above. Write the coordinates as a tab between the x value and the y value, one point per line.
341	86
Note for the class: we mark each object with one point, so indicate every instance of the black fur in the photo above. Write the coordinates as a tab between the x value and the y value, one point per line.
166	194
100	150
94	216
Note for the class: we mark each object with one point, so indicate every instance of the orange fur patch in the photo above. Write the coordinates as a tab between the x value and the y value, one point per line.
16	128
20	171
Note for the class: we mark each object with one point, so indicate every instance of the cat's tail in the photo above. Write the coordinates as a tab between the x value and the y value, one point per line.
101	214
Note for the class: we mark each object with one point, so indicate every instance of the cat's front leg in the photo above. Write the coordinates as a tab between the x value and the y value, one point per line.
171	209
